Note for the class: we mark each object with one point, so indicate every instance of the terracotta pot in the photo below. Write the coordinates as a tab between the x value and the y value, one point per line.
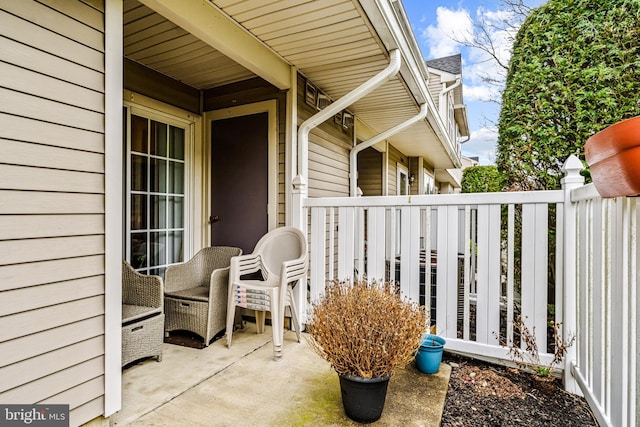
613	155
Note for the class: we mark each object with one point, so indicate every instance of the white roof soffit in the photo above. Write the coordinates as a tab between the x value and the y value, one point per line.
207	22
338	44
414	71
451	176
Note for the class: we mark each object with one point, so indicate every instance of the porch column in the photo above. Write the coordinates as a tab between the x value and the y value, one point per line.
113	208
572	179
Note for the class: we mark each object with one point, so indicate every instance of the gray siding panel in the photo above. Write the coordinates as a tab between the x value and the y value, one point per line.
52	211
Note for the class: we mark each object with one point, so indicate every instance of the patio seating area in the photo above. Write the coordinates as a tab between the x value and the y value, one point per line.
243	385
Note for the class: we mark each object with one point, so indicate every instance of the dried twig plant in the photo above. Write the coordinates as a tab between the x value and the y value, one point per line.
365	329
529	356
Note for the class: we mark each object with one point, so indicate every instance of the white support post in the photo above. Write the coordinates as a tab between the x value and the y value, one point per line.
113	207
572	179
299	220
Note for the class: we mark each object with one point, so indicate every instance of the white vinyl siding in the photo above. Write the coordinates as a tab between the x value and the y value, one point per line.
435	87
52	212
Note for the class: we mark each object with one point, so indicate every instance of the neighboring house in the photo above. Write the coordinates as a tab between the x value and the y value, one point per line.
468	162
195	144
445	85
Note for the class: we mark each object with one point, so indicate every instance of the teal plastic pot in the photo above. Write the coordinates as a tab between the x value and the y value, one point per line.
429	355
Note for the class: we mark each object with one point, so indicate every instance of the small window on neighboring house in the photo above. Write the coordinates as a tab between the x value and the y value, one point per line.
402	180
155	194
429	184
451	118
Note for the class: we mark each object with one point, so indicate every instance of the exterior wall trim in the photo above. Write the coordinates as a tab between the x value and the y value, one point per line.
113	206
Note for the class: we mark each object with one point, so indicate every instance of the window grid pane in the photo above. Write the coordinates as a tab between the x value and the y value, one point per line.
156	195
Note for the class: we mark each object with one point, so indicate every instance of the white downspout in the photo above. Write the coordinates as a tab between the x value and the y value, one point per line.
332	109
443	97
353	155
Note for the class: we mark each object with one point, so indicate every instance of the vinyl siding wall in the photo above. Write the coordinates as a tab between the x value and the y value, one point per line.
435	87
329	147
52	204
370	172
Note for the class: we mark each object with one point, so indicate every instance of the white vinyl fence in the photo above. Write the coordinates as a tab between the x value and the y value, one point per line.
606	363
477	261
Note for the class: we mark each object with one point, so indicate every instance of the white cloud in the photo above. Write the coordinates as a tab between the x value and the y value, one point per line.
480	92
482	144
451	25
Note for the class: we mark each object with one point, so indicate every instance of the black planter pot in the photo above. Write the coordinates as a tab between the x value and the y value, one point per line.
363	398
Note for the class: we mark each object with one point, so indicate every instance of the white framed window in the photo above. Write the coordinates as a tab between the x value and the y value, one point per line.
451	121
156	190
402	180
429	183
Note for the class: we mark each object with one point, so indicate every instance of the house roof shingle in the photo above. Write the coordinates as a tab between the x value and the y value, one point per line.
451	64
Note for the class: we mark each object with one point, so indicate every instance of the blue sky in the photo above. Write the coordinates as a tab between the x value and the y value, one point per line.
435	24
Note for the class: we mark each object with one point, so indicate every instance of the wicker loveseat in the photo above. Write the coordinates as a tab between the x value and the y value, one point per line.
196	292
142	315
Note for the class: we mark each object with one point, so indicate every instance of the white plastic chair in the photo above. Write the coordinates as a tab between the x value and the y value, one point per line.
281	257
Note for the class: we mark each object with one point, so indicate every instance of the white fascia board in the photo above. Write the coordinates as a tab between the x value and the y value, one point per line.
450	176
445	77
413	70
207	22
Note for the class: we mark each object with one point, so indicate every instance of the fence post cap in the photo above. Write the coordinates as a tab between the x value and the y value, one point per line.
572	166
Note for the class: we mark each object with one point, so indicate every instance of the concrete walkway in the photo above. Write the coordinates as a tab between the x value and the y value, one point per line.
244	386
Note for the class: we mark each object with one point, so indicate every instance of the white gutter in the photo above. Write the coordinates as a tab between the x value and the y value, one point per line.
353	155
385	21
335	107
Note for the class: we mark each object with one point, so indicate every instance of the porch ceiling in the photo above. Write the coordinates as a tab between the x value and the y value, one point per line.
331	42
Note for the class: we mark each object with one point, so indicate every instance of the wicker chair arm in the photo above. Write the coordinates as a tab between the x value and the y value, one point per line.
142	290
219	278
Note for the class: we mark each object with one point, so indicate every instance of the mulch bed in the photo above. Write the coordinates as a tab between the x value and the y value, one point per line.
482	394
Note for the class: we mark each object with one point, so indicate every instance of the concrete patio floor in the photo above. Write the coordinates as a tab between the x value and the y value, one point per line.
244	386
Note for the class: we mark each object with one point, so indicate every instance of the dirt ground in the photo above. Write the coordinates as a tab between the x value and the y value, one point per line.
482	394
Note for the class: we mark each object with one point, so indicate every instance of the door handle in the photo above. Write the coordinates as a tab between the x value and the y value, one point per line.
213	219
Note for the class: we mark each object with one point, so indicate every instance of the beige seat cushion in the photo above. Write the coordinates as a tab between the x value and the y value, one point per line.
199	293
135	312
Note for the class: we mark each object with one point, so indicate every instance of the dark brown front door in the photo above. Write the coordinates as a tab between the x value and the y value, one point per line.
239	180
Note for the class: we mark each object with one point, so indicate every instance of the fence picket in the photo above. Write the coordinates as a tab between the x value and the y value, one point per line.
376	244
346	244
318	248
